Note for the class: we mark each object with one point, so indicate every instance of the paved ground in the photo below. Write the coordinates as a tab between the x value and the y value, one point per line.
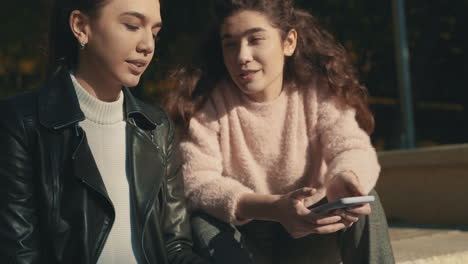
416	245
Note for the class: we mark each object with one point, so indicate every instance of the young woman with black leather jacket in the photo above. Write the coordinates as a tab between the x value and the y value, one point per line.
88	173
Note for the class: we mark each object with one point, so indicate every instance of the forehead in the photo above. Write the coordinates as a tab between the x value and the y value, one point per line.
149	8
244	20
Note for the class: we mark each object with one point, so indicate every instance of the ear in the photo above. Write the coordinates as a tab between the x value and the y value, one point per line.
290	42
79	25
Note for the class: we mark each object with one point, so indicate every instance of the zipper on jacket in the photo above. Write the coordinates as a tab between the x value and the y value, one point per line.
131	183
147	216
148	209
77	132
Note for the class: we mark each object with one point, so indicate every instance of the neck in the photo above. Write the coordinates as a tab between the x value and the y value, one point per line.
98	83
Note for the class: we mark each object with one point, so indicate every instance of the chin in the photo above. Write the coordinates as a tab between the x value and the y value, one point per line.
251	89
130	81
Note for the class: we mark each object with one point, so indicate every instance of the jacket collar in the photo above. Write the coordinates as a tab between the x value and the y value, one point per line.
59	106
144	115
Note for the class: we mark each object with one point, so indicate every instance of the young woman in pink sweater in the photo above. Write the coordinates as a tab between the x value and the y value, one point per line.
274	120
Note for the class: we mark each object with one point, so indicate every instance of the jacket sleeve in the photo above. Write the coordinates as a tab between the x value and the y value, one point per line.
345	146
176	227
19	234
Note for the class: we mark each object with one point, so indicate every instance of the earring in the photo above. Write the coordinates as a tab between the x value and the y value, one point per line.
82	45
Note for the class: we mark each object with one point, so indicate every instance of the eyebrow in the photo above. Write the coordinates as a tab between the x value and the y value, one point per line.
245	33
140	16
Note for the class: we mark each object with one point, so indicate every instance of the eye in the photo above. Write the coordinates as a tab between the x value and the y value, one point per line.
256	40
131	27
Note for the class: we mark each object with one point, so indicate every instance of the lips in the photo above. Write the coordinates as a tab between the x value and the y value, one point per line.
137	66
247	74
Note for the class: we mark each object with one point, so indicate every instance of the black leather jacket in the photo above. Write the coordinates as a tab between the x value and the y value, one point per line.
54	207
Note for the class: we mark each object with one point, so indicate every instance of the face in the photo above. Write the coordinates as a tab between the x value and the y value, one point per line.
121	40
254	54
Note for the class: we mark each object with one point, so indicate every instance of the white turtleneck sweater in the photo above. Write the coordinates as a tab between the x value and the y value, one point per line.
105	131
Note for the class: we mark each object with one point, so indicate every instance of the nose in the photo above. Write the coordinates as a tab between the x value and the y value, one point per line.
146	44
244	55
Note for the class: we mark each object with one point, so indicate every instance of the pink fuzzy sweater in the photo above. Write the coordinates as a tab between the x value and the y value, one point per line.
302	138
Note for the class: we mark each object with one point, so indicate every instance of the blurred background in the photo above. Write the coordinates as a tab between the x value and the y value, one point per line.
436	38
411	55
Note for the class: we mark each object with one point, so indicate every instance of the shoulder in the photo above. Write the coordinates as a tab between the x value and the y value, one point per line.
323	106
330	103
224	98
16	109
18	112
212	105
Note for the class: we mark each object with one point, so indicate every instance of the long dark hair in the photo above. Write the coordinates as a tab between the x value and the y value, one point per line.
63	46
317	54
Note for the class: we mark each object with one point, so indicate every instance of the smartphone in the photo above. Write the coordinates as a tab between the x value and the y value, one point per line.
342	203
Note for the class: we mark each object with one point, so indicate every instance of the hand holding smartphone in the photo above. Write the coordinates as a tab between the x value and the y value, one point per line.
342	203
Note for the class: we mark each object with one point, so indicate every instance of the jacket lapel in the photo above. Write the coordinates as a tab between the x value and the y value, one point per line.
59	109
86	170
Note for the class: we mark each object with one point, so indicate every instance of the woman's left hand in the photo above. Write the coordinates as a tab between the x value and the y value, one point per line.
344	185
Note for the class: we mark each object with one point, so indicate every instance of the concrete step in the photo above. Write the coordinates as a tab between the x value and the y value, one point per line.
429	245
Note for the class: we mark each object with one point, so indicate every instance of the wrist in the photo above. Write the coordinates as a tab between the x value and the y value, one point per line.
275	208
258	206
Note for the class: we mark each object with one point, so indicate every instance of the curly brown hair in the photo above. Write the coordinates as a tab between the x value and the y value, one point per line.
317	54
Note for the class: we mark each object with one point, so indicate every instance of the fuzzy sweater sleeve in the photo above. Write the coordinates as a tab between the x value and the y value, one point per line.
206	187
345	146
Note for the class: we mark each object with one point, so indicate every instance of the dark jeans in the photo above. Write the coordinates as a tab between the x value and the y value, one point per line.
266	242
